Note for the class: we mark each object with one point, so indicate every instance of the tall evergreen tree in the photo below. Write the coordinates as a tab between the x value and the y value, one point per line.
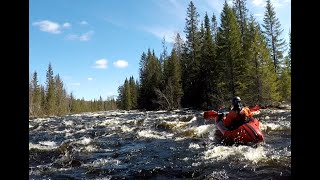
36	95
50	92
171	95
151	69
289	53
263	79
120	98
191	60
178	45
208	67
30	98
272	31
232	65
60	97
214	28
134	93
43	100
241	12
285	81
101	104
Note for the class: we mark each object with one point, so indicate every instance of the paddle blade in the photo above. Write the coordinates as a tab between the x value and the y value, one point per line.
210	114
256	108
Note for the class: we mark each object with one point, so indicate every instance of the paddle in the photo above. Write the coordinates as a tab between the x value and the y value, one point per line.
256	108
213	114
210	114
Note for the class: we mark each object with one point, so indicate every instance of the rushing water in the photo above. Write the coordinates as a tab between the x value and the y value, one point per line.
154	145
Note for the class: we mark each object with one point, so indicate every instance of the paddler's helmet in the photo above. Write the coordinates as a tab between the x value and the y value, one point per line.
236	102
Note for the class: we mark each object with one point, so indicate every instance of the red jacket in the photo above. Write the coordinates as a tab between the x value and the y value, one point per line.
235	118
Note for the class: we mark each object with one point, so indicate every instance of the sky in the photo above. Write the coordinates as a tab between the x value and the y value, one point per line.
95	45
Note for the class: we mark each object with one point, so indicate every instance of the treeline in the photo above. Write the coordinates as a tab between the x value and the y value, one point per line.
53	99
237	58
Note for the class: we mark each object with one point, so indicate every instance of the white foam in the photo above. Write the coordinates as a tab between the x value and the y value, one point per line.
282	125
68	123
43	145
204	129
84	141
102	162
125	128
194	146
242	152
90	148
150	134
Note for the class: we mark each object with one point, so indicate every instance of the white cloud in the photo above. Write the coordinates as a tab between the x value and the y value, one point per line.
101	64
216	5
230	3
82	37
66	25
86	36
75	84
160	32
173	7
84	23
90	78
260	3
275	3
178	8
258	14
120	64
48	26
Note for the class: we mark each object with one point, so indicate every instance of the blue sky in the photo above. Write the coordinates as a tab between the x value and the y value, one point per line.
95	45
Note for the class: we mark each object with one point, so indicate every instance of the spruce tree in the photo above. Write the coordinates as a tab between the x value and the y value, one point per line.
232	66
50	92
272	31
36	95
134	93
191	59
263	79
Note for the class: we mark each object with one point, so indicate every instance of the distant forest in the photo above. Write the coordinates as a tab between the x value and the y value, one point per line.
239	57
53	100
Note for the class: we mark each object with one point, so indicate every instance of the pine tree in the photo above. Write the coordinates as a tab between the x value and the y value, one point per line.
50	92
178	45
272	31
289	53
232	65
263	79
214	28
285	82
127	95
36	95
30	98
43	100
239	7
170	97
191	59
60	97
150	82
120	98
133	92
100	104
142	92
208	67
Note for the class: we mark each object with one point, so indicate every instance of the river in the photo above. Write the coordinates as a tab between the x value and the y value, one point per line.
176	144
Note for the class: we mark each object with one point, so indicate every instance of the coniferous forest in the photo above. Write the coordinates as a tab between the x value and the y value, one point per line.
53	99
240	57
